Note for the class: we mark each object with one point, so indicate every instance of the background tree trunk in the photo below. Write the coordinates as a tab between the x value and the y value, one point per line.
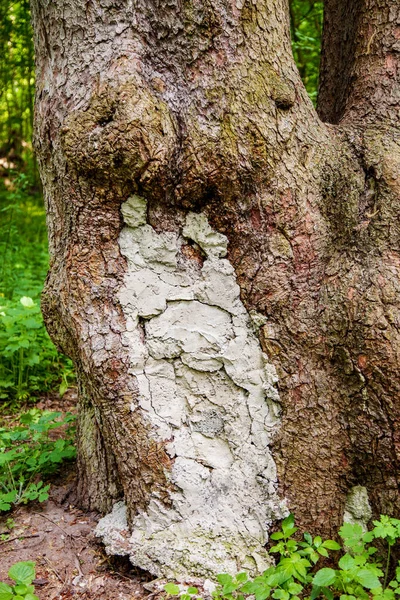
207	231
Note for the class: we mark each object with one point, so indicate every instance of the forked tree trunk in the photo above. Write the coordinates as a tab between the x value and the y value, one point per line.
224	267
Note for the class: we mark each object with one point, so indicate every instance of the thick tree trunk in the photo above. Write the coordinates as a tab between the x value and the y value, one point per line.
207	232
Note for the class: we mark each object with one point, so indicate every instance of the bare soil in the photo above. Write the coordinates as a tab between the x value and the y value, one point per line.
59	538
70	562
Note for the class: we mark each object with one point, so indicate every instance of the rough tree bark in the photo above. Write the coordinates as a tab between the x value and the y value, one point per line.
209	231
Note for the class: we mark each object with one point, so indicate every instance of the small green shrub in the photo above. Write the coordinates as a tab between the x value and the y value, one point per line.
27	453
360	573
23	573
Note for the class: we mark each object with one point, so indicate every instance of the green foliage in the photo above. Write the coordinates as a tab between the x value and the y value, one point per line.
30	363
306	28
16	82
358	576
23	573
184	594
28	452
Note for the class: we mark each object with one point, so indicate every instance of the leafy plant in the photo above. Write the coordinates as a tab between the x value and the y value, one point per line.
30	362
27	453
184	594
23	573
358	576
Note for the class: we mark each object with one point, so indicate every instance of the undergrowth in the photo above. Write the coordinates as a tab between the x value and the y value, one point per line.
30	363
23	574
29	452
357	572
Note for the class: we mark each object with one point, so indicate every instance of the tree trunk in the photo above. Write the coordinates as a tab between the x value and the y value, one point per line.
224	267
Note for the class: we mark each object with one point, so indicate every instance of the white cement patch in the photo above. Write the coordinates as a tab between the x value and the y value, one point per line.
208	392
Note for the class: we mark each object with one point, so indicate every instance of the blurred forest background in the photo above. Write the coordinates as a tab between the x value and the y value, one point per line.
30	366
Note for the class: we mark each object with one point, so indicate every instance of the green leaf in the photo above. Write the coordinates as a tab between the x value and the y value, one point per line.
294	588
23	572
278	535
6	592
278	548
327	593
324	577
172	589
280	594
262	592
367	579
21	589
331	545
192	590
228	588
278	577
347	562
308	538
315	592
224	578
241	577
288	522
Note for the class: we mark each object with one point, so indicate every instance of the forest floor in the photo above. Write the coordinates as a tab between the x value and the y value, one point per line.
59	538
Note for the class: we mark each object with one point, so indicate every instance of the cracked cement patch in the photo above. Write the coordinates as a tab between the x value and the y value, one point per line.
208	393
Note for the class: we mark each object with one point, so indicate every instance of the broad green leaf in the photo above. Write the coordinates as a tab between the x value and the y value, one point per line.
6	592
368	579
331	545
277	578
21	589
172	589
350	530
249	587
294	588
228	588
262	592
224	578
278	535
288	522
22	572
347	562
324	577
192	590
280	594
